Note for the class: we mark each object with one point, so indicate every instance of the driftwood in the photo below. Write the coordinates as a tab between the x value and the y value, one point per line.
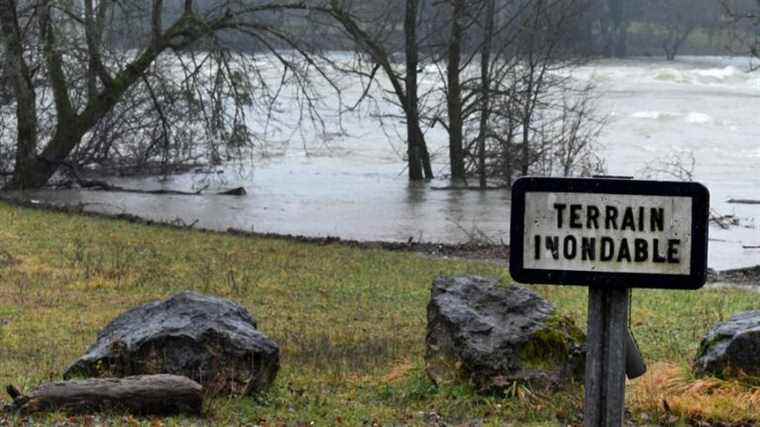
723	221
141	395
239	191
104	186
744	201
92	184
469	188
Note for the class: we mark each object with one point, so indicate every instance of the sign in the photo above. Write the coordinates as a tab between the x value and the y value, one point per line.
609	232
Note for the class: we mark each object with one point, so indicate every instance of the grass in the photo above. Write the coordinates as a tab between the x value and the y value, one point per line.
350	322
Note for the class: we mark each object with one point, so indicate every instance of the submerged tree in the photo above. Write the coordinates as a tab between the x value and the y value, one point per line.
523	113
99	71
373	34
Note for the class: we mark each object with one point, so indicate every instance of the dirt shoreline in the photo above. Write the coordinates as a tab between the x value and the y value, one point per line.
473	251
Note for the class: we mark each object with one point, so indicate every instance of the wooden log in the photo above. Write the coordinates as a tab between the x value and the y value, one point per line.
744	201
141	395
239	191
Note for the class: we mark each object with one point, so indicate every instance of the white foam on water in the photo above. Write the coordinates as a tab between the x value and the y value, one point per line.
655	115
646	115
698	118
719	73
671	75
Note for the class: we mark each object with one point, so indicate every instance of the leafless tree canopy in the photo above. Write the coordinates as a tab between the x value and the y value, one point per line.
153	84
139	82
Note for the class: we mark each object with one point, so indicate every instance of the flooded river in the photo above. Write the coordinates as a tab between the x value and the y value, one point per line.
353	184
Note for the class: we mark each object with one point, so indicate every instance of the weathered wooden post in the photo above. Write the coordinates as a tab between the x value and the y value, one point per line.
606	347
610	235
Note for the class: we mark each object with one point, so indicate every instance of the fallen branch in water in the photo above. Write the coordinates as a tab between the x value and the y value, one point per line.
723	221
92	184
469	188
744	201
104	186
96	185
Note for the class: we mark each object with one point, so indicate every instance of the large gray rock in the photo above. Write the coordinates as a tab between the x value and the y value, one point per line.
491	336
211	340
732	347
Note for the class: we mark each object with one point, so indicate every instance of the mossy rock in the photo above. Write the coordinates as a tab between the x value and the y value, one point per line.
489	335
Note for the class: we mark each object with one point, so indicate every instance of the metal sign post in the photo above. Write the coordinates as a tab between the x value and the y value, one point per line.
610	235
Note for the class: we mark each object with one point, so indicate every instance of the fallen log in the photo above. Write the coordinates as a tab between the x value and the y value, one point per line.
96	185
104	186
744	201
239	191
140	395
469	188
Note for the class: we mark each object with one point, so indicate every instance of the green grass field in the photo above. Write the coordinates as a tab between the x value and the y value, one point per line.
350	323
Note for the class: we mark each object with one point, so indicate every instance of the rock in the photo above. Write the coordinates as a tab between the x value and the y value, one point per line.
211	340
491	336
731	348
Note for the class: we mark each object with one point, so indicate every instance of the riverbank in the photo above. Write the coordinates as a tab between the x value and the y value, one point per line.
476	248
350	321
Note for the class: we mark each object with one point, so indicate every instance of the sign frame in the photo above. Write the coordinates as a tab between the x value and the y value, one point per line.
699	232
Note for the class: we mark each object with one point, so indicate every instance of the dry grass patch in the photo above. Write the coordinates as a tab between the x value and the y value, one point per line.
668	393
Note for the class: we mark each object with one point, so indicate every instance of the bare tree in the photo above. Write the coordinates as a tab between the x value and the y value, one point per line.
569	132
371	38
743	20
525	112
675	20
63	51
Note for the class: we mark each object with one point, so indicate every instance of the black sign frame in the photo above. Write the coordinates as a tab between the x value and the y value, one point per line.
699	233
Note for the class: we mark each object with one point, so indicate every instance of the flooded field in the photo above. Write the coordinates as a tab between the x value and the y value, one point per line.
352	183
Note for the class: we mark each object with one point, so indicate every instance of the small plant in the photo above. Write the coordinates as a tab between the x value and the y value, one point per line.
23	284
679	165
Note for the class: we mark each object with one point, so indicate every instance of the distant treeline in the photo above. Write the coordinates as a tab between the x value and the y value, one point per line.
607	28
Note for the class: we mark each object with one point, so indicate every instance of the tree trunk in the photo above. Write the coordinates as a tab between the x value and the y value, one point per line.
527	114
412	115
424	153
26	100
454	93
143	395
508	169
485	82
619	31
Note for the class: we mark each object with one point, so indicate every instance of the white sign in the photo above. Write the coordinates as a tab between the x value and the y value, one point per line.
612	233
